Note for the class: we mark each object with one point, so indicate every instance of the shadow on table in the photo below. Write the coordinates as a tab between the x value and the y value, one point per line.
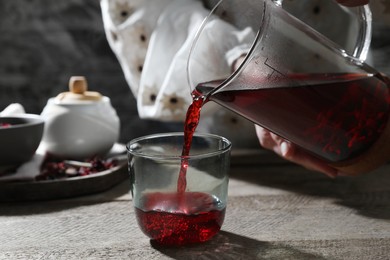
368	194
227	245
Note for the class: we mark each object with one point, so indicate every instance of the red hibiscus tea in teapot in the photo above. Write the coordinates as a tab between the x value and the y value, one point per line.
336	117
294	81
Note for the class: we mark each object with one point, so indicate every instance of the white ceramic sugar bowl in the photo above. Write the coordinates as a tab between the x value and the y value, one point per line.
79	124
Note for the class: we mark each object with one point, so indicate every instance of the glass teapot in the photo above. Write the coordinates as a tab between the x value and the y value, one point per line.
333	105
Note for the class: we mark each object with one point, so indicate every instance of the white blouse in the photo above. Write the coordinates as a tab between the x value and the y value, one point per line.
152	39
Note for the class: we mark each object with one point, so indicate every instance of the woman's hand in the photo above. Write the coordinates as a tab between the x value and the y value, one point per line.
352	3
292	153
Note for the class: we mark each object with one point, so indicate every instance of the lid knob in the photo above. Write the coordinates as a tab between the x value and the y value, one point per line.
78	91
78	84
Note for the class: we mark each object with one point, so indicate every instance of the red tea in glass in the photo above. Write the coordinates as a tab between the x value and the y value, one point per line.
182	217
176	219
178	199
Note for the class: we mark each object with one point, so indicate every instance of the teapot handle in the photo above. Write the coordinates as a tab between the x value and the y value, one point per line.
365	32
363	40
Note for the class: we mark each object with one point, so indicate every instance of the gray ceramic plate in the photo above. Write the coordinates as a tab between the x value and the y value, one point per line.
63	188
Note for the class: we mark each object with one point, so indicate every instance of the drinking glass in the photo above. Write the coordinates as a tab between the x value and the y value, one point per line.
175	209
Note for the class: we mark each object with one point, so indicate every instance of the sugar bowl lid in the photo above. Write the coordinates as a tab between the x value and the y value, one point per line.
78	91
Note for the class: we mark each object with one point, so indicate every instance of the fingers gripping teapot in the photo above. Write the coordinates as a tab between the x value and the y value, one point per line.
333	105
79	124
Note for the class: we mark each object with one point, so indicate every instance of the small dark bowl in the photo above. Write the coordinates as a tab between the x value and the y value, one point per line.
20	137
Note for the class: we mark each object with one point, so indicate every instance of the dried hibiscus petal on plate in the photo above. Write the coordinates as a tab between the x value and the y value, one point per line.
56	168
5	125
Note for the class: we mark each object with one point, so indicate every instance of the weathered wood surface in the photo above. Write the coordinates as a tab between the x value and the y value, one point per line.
276	211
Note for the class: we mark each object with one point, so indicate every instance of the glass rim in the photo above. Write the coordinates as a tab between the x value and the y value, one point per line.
178	157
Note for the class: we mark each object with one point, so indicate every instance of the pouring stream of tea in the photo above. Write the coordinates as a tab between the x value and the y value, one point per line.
191	122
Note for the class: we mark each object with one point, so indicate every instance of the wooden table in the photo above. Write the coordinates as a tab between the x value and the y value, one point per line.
276	210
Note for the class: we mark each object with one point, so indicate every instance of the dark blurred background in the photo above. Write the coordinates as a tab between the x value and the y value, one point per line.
44	42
